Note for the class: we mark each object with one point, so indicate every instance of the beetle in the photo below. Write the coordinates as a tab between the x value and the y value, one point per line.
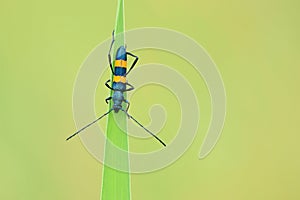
119	86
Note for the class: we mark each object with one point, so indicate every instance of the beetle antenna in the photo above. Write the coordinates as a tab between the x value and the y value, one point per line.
89	124
144	128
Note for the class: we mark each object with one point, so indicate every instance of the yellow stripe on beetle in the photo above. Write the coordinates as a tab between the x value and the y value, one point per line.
120	79
121	63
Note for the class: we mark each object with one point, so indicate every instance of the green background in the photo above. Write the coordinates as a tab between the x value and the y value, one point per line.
256	47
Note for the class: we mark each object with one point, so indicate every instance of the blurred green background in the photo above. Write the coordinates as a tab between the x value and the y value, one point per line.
255	45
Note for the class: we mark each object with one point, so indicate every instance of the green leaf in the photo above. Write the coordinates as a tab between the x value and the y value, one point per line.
116	184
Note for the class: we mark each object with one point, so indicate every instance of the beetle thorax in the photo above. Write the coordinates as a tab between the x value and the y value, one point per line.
117	99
